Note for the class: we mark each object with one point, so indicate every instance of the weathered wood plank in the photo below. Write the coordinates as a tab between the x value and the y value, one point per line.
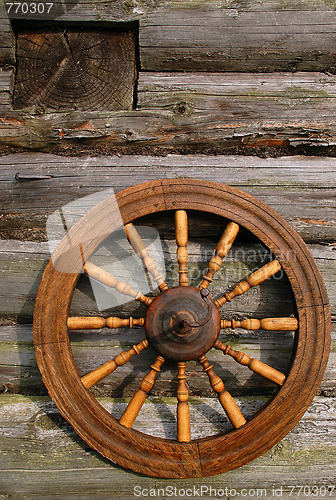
217	35
211	38
43	457
195	111
302	189
20	276
19	372
6	88
258	95
7	45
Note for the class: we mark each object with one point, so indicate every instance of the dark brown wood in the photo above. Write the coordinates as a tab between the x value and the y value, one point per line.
215	454
171	319
75	69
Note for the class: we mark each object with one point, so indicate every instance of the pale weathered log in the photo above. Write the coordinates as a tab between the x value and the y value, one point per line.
240	37
174	111
52	460
302	189
22	264
19	372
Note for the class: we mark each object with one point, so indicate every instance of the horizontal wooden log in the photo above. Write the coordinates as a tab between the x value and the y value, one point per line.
20	276
43	457
22	265
216	36
19	372
178	38
198	111
302	189
7	45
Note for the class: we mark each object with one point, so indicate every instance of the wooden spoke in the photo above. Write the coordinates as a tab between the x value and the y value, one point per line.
108	279
102	371
181	231
183	413
231	409
142	251
128	417
95	322
256	278
254	364
283	324
222	249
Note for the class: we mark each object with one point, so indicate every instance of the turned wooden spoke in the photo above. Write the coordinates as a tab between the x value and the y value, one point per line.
256	278
283	324
222	249
128	417
183	413
253	364
95	322
142	251
108	279
102	371
231	409
181	231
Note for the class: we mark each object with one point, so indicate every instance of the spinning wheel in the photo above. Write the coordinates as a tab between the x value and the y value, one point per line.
182	323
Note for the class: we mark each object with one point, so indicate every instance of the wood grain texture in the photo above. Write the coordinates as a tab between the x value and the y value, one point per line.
22	264
208	37
180	35
302	189
53	460
199	112
214	454
75	69
7	43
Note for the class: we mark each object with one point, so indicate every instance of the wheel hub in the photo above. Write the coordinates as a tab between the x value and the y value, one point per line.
181	325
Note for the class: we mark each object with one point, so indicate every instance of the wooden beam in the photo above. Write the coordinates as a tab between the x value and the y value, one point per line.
253	37
302	189
198	111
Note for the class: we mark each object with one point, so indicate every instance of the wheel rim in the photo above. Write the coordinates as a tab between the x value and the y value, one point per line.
215	454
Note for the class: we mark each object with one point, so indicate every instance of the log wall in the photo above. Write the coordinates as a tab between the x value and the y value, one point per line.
238	76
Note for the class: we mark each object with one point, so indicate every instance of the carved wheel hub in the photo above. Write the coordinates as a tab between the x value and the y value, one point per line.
174	323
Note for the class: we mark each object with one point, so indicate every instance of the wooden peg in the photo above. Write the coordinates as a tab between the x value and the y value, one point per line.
142	251
253	364
283	324
96	322
102	371
82	322
134	406
183	412
231	409
108	279
221	251
181	231
254	279
113	322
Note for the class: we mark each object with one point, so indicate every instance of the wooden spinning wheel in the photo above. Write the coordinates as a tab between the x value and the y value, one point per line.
182	323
